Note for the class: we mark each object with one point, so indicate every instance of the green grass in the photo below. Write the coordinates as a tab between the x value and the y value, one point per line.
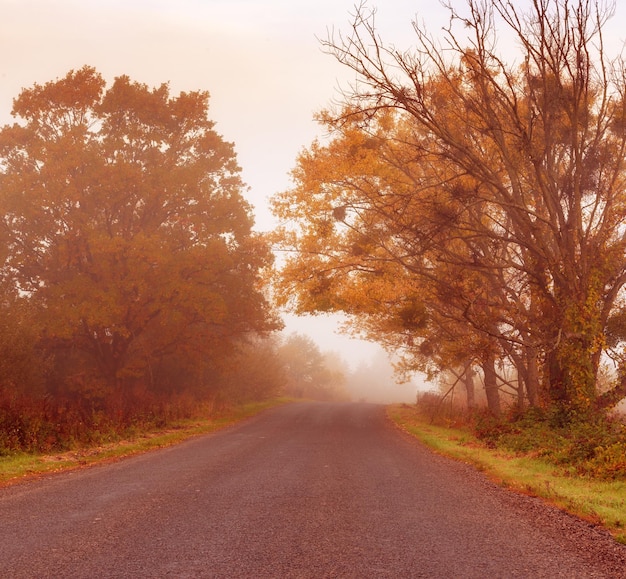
20	466
600	502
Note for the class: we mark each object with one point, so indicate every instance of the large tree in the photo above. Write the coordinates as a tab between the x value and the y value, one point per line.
126	229
370	238
514	192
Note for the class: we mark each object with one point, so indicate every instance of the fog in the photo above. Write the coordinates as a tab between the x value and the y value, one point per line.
374	381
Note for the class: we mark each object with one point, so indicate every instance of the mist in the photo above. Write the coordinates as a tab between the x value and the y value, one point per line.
374	381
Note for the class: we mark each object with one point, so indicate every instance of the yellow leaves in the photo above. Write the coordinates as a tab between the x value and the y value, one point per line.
334	219
498	191
369	216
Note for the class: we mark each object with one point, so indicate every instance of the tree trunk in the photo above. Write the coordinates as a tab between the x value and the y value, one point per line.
572	377
532	377
491	385
521	391
468	381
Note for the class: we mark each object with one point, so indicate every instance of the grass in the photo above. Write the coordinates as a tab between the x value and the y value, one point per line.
17	467
600	502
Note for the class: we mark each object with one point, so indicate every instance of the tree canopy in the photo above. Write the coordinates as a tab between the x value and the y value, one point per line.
126	233
468	206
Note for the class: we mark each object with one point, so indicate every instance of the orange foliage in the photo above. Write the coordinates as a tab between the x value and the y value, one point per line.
465	208
127	232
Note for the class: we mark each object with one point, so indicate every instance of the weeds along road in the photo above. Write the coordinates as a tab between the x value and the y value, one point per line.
305	490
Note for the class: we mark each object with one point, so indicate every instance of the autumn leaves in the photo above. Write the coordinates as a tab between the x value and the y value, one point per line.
468	210
126	237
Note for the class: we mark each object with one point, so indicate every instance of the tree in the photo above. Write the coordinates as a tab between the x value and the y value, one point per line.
506	179
255	372
309	372
126	230
22	364
368	237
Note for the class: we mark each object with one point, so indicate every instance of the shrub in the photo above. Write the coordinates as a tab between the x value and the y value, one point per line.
608	462
596	447
490	429
437	409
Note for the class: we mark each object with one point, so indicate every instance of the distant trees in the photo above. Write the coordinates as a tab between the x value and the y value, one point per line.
470	211
309	373
128	262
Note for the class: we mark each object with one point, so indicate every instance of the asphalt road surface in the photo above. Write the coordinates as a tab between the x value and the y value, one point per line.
306	490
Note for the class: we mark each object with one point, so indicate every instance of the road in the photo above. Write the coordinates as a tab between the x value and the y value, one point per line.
306	490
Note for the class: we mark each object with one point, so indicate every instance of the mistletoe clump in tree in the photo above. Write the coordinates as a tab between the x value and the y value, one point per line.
469	206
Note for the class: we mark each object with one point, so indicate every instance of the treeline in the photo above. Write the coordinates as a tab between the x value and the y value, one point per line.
35	417
467	209
132	284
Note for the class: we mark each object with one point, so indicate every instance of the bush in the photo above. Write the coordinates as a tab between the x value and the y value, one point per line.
491	430
595	448
46	424
437	409
608	462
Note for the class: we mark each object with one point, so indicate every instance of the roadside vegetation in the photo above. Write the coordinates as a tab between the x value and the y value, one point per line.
466	210
19	465
581	470
131	278
133	286
262	374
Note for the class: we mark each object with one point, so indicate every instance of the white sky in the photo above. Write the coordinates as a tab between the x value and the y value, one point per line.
259	59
